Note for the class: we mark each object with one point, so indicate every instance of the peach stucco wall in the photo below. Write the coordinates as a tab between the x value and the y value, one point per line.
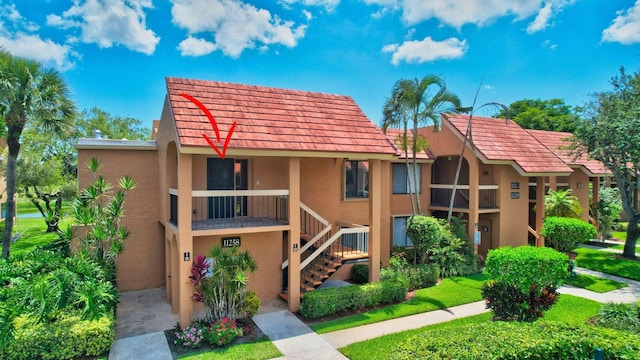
142	263
265	248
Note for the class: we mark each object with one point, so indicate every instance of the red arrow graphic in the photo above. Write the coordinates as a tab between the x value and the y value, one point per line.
212	120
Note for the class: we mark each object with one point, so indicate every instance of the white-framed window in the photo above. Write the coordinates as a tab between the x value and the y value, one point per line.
400	237
356	179
403	184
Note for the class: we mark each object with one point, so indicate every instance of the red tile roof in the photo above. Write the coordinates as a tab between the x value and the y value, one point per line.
394	136
499	140
558	142
273	119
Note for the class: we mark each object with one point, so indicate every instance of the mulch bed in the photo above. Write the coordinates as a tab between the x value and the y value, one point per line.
250	330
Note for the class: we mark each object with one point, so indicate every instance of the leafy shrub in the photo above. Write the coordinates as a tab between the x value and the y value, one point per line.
191	337
416	276
360	273
501	340
425	232
322	302
250	305
224	331
524	266
565	234
607	210
453	256
509	303
619	316
524	281
68	337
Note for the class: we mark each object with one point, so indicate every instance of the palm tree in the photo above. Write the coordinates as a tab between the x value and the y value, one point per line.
562	203
28	92
422	101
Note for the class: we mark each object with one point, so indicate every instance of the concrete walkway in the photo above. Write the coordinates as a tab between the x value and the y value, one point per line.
297	341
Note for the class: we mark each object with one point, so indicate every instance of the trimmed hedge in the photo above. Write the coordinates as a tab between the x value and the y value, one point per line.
360	273
416	276
324	302
525	266
512	340
565	234
67	338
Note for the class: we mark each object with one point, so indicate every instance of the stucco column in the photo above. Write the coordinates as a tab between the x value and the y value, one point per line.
553	183
539	208
294	235
185	238
375	205
474	202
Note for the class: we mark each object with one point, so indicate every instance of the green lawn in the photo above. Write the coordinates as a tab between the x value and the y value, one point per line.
569	308
33	233
608	262
594	283
452	291
258	350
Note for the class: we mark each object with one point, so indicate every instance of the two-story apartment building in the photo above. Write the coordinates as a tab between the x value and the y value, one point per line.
306	183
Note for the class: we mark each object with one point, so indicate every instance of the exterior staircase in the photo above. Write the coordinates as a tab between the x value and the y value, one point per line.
322	252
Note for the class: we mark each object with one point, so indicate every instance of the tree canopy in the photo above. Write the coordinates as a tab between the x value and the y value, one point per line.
610	133
30	94
113	127
550	115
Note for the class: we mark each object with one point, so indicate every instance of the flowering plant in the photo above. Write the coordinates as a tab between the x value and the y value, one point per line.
192	336
224	331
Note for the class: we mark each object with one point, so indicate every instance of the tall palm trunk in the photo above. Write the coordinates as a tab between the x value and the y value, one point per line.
415	164
12	160
406	160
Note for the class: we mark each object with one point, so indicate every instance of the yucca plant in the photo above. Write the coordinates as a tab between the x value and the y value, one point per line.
102	211
223	292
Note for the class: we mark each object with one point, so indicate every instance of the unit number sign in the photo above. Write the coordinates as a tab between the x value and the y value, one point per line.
231	242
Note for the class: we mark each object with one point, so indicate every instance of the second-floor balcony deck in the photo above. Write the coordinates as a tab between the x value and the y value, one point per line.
226	209
441	196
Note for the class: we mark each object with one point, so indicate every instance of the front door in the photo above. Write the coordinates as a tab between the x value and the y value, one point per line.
227	174
485	237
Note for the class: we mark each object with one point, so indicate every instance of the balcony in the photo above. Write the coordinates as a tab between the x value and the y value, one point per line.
441	196
226	209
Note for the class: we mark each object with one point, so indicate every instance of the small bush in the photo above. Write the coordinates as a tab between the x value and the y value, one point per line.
500	340
417	276
224	332
524	266
322	302
192	336
251	304
619	316
524	281
565	234
425	232
360	273
509	303
67	338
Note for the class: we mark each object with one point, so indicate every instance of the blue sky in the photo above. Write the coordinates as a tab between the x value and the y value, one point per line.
115	54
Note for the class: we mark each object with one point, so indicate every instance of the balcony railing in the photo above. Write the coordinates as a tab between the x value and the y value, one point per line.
441	196
221	209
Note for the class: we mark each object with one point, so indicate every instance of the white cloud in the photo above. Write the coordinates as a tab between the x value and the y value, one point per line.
457	13
625	28
329	5
549	44
16	36
234	25
108	22
196	47
542	19
416	51
44	51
